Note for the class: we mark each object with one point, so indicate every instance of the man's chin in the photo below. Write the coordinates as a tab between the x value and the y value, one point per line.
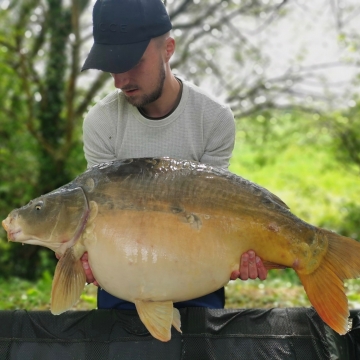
134	100
140	101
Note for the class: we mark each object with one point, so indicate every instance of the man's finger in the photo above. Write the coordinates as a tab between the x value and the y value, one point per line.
262	271
234	275
88	273
253	271
244	266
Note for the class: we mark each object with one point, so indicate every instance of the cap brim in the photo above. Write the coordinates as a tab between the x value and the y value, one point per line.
115	58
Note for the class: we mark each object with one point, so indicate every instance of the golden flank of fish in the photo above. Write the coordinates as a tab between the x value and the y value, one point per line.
159	231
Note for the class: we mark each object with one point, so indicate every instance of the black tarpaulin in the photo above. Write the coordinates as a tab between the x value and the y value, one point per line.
292	333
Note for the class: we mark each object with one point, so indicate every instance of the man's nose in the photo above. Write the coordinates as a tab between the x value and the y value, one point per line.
120	80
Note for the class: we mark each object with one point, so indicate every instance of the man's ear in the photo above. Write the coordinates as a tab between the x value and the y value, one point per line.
169	48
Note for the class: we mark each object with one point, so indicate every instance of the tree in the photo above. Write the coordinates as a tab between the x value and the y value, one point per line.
223	46
41	44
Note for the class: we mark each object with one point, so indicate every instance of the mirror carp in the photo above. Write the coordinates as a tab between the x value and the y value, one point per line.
159	231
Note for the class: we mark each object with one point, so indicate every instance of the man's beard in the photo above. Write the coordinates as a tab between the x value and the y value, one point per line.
153	96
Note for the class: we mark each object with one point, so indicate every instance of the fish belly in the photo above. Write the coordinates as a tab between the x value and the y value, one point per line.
163	256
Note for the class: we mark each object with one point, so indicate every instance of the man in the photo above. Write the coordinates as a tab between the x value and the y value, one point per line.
155	114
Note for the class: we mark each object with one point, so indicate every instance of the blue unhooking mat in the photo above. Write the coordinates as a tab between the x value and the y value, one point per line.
292	333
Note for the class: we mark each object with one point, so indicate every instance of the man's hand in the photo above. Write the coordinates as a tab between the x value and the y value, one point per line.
251	267
89	275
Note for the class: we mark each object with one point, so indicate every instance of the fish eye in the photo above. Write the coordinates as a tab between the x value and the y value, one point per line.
39	205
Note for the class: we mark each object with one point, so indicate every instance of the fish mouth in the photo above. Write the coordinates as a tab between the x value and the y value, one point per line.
11	233
5	224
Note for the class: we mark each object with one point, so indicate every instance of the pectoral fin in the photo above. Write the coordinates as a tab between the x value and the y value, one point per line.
68	283
158	318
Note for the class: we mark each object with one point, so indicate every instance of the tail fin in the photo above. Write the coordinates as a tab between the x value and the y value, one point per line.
325	286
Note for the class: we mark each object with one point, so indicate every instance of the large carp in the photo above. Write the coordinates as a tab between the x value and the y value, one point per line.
159	231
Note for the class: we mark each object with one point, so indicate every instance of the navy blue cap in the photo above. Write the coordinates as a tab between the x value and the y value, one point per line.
122	30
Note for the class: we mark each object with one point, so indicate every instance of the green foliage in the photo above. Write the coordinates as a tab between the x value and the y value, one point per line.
345	129
40	117
22	294
18	293
274	292
269	133
351	220
14	261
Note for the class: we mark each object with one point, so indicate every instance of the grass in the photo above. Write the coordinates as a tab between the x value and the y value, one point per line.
22	294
